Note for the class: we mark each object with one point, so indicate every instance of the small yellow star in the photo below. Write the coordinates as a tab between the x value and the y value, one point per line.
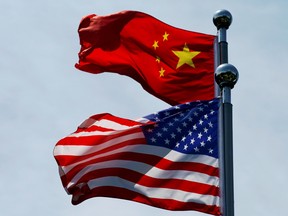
157	59
162	71
185	56
155	45
165	36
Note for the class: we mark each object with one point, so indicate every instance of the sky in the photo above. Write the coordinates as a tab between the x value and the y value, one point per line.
44	98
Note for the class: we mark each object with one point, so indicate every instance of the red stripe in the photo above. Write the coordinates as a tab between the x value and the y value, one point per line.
94	140
64	160
108	117
147	181
91	129
121	193
112	118
152	160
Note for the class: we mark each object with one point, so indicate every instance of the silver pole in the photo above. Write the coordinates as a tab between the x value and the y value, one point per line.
226	76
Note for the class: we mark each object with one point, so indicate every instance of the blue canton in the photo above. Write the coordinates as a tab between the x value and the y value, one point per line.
190	128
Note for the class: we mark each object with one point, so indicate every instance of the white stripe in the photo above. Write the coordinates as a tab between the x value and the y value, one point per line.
97	133
107	124
161	193
142	120
110	125
81	150
152	150
148	170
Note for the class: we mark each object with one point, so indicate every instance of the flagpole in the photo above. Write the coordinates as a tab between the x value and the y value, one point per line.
226	76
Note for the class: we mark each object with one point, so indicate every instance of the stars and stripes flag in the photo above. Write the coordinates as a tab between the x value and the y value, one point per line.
168	159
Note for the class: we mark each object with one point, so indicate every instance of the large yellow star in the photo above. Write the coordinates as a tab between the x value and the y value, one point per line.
185	56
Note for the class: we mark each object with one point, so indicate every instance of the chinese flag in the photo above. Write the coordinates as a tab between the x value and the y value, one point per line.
172	64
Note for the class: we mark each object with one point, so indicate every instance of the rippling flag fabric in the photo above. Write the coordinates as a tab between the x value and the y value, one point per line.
168	159
172	64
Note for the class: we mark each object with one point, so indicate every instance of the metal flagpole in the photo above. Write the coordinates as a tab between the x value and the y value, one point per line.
226	76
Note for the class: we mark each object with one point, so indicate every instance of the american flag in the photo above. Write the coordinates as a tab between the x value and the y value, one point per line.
167	159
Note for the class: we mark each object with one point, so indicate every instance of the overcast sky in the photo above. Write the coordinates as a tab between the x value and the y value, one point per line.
44	98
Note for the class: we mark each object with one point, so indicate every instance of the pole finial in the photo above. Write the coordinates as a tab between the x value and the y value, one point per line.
222	19
226	75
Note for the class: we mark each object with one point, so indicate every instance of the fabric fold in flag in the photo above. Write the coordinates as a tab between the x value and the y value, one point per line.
173	64
168	159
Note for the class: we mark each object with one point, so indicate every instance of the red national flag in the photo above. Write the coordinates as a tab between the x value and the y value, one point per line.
168	159
172	64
